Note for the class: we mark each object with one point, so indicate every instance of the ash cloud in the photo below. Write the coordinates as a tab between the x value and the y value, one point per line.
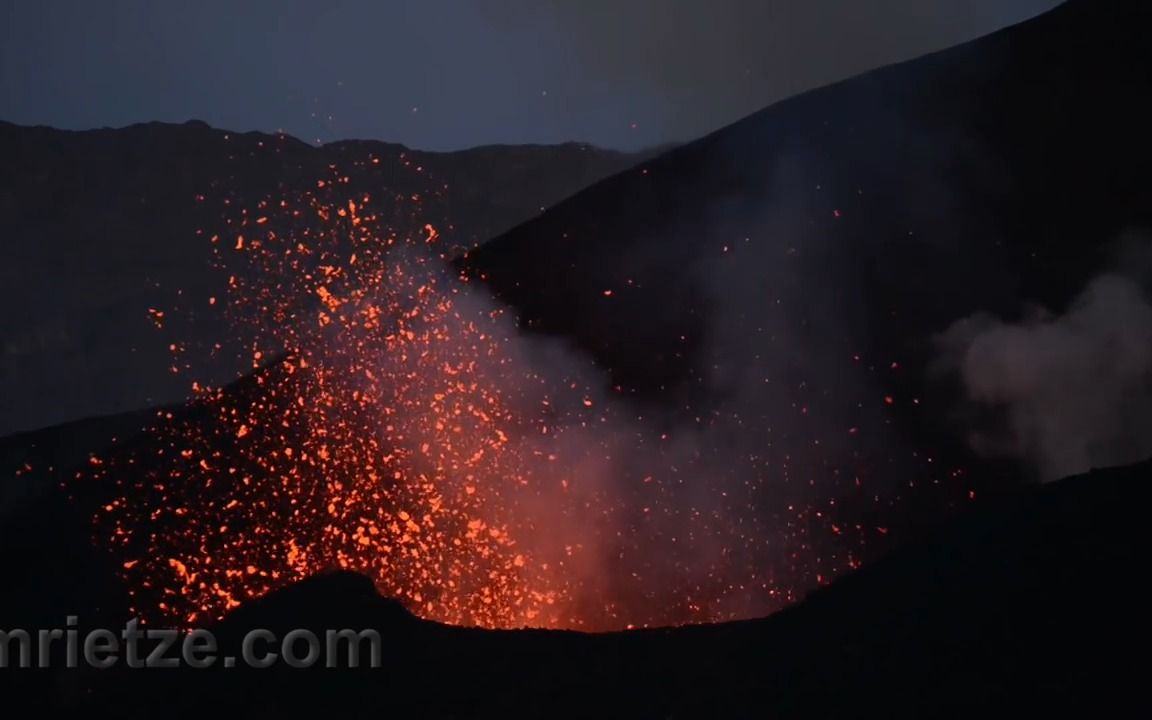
1071	391
703	497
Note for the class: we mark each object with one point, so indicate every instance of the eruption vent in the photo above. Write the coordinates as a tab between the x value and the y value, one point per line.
397	424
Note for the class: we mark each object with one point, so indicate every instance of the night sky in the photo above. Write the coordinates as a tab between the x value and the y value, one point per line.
446	74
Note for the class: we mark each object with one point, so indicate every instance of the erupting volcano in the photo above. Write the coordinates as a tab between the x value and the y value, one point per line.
519	430
397	424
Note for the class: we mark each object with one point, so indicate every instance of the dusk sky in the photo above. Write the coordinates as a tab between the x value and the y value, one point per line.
447	74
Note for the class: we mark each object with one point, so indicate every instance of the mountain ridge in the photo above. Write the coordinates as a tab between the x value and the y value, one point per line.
270	135
119	214
853	224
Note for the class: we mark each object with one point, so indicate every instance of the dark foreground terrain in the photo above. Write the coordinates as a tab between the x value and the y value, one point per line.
1032	604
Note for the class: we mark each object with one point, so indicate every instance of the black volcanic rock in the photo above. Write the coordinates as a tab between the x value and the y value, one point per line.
1027	604
815	248
100	226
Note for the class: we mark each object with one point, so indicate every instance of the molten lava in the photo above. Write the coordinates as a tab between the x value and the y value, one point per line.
392	426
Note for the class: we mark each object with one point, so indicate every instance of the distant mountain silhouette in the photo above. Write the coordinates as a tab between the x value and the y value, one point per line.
1028	604
100	225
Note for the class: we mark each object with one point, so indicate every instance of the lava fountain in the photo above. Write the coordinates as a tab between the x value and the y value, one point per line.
393	424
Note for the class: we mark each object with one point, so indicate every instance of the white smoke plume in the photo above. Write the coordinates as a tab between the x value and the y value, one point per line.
1075	389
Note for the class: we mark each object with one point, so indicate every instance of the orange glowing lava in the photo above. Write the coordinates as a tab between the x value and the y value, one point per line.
390	427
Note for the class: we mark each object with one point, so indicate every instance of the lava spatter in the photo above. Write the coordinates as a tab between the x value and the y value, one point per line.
392	425
375	442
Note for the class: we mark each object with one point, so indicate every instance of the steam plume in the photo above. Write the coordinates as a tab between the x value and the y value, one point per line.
1075	390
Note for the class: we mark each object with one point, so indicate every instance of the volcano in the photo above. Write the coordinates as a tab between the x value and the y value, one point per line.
799	254
701	390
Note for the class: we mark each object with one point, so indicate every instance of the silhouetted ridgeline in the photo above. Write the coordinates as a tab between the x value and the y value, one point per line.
100	226
810	254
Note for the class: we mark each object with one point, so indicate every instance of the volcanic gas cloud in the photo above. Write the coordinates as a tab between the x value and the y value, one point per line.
396	423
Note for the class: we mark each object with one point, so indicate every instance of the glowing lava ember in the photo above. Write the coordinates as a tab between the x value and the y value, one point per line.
393	427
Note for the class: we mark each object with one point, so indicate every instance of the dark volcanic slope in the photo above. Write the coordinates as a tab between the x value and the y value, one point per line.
1027	605
808	247
99	226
